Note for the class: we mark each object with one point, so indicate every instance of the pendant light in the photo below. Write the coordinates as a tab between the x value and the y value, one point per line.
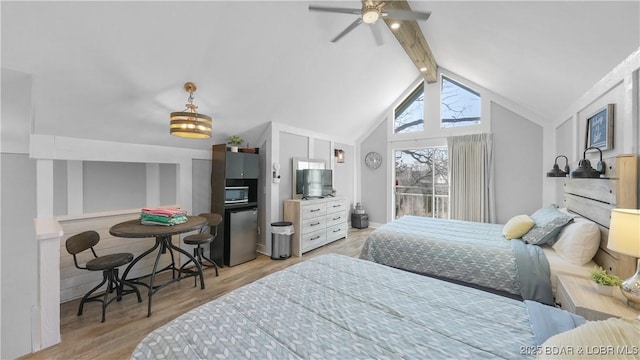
189	123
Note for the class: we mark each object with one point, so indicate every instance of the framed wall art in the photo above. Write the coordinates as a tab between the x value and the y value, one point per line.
600	129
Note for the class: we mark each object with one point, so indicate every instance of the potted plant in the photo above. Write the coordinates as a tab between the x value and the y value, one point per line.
234	141
604	282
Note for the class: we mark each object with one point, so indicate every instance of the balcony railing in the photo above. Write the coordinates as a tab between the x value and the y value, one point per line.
420	204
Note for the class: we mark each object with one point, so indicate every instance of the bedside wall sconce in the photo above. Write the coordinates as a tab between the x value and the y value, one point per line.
585	170
556	172
339	154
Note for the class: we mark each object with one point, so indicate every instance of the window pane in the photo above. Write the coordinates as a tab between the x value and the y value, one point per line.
409	115
459	106
422	182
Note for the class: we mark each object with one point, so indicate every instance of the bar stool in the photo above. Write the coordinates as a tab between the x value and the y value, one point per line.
204	237
108	264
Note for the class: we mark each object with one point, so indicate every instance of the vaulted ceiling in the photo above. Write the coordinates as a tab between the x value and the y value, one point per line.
115	70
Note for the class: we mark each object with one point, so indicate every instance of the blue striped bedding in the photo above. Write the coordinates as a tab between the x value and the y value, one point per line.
463	251
336	307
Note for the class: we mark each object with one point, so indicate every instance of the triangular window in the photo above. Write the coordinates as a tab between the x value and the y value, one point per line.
409	115
459	104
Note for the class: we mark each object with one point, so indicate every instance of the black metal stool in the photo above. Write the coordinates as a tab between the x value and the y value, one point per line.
108	264
204	237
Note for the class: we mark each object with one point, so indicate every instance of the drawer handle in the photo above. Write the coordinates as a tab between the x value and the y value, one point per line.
315	237
314	210
314	224
337	205
337	230
336	218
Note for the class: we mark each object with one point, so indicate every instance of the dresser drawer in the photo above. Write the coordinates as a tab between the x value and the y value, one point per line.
336	232
314	239
313	224
317	222
336	218
336	206
563	299
313	210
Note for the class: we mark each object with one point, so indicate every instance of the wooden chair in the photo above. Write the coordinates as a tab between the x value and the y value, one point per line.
108	264
204	237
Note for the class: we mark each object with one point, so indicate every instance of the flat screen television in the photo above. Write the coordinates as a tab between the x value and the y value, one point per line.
314	183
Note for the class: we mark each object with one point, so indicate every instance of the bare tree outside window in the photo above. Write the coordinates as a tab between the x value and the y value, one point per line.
422	182
409	115
459	105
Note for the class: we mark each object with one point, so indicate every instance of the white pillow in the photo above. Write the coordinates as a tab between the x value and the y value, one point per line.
578	242
595	340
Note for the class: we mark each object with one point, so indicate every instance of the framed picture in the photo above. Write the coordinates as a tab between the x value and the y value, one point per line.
600	129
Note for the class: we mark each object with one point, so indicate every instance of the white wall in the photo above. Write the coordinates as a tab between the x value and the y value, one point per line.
126	182
19	253
18	248
619	87
518	160
562	147
291	146
343	173
373	182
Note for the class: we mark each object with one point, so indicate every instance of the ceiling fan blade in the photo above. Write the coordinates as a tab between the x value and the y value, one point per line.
348	29
377	35
335	10
405	15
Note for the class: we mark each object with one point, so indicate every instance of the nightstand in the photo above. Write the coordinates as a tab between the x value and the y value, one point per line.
579	296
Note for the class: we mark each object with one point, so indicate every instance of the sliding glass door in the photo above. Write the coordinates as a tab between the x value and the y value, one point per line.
422	182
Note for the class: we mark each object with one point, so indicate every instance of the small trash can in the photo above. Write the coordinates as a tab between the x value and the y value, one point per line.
281	240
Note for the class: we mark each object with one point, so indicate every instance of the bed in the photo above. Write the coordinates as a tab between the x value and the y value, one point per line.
463	251
333	306
479	255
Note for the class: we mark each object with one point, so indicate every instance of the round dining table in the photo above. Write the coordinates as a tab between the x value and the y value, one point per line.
162	234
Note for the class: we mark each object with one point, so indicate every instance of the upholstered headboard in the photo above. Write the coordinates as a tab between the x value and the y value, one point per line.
594	199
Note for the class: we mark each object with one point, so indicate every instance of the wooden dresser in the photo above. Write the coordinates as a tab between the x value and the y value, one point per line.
316	222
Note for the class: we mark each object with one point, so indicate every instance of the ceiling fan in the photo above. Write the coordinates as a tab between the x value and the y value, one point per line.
370	13
408	34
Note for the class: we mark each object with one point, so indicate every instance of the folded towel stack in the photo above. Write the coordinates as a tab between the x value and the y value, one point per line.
164	216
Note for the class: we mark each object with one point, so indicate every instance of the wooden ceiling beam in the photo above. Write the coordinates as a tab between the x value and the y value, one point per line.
412	40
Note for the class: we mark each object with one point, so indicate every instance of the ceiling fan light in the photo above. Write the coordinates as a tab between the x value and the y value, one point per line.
370	16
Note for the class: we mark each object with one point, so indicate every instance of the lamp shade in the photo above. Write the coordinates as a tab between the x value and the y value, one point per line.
585	170
624	232
189	123
556	172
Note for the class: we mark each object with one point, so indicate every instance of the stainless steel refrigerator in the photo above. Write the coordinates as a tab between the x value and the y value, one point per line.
240	245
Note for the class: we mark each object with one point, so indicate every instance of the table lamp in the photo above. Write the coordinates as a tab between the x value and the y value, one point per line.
624	238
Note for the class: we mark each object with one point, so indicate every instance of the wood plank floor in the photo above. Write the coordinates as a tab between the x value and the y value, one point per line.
85	337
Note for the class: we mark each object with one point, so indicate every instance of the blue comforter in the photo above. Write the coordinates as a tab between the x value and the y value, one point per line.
463	251
336	307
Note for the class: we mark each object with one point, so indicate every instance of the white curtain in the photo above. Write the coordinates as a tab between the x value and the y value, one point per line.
471	194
